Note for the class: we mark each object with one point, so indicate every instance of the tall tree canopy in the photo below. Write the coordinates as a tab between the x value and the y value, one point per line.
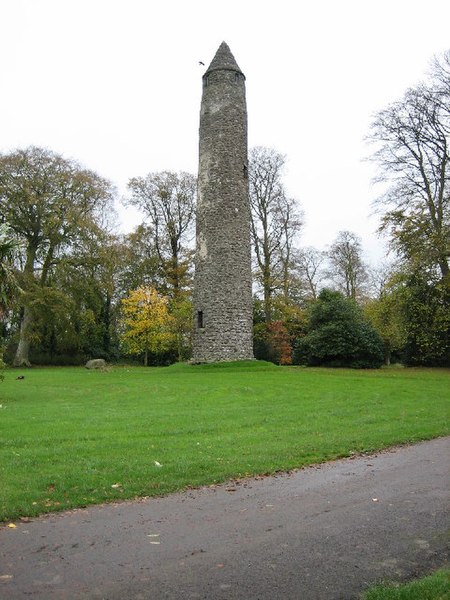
141	265
168	202
48	201
387	315
412	137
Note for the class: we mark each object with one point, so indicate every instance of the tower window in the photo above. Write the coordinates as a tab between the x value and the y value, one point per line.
237	76
200	323
245	170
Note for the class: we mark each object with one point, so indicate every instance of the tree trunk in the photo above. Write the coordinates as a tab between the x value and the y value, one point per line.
443	264
106	318
267	291
23	349
179	341
267	305
146	358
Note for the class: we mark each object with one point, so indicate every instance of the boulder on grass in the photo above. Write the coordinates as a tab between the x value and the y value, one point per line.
96	363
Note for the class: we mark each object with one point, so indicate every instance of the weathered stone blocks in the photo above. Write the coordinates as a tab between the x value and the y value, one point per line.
223	280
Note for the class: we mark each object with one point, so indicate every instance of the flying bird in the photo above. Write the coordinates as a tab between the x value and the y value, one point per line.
201	63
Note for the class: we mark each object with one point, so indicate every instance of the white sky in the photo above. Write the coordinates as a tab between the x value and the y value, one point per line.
116	84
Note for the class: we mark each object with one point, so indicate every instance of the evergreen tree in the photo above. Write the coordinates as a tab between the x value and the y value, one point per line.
338	335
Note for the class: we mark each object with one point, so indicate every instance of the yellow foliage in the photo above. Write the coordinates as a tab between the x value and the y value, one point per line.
148	326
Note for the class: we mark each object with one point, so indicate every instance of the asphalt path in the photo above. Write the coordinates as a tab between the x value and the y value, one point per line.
321	533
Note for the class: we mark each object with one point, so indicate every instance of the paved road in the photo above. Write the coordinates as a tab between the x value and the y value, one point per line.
322	533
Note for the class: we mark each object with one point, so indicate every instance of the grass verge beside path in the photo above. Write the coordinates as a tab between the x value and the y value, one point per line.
433	587
71	437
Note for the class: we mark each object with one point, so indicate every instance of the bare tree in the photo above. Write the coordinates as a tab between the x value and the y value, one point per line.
347	269
168	201
275	223
412	137
379	275
309	263
290	222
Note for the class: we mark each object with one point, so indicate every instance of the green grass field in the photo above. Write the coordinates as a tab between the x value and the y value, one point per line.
433	587
71	437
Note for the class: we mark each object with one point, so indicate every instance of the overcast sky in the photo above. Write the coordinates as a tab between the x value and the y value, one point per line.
116	84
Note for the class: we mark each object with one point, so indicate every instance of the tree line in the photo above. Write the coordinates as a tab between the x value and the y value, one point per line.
72	289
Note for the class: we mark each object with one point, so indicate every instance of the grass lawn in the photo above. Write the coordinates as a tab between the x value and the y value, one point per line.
71	437
433	587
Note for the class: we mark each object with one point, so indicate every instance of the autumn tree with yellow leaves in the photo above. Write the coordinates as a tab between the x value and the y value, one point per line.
147	324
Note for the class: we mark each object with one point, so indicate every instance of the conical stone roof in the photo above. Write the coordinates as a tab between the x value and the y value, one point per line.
223	60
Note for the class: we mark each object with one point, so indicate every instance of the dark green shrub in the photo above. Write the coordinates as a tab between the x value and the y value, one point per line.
339	336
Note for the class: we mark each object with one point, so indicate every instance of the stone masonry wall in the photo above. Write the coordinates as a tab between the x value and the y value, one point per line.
223	281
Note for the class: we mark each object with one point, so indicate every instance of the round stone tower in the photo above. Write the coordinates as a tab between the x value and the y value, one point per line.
223	279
